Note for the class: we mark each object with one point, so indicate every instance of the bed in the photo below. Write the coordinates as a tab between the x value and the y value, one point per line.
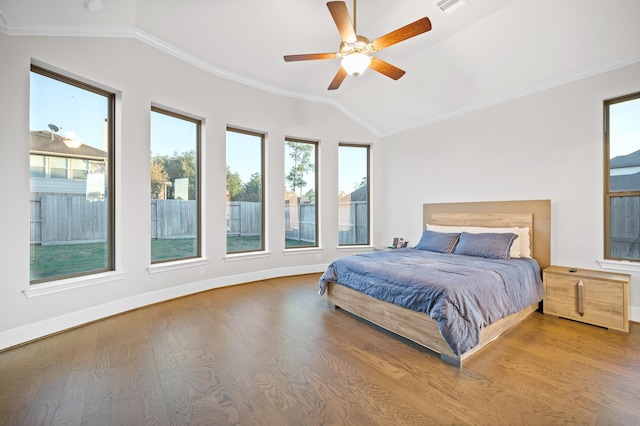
429	327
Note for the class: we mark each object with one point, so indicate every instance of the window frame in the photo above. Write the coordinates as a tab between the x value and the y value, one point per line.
368	150
110	170
198	183
316	158
263	236
608	193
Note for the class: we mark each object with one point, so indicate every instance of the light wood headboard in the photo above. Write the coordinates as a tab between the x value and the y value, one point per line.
533	213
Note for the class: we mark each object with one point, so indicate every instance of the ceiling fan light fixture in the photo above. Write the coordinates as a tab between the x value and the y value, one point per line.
355	63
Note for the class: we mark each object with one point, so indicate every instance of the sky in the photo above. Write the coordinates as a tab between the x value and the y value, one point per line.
171	135
625	127
243	157
78	113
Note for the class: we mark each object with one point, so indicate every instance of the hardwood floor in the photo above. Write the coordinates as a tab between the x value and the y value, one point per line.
273	352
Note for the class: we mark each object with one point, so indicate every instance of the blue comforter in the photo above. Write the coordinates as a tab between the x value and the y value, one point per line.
462	294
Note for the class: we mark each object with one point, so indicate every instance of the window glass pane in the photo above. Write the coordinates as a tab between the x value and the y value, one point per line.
622	208
300	209
80	168
245	207
174	186
353	194
71	220
37	166
624	146
58	167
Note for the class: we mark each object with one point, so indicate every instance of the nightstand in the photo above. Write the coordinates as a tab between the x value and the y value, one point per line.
594	297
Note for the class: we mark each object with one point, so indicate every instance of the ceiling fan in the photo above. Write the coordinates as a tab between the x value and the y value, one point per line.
355	49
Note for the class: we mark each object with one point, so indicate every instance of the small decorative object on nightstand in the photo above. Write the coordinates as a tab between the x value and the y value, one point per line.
594	297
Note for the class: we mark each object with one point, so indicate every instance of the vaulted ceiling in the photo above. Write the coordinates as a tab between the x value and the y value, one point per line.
485	52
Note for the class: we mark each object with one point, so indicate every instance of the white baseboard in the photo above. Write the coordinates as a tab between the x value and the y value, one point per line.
634	314
50	326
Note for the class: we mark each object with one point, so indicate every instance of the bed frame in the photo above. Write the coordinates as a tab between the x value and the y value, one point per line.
420	328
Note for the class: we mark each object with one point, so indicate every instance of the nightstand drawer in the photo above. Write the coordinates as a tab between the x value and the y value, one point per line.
594	297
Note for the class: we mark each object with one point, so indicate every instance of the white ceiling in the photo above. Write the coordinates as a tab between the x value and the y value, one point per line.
486	52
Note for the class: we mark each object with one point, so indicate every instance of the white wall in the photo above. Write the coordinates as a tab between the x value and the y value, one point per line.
547	145
143	75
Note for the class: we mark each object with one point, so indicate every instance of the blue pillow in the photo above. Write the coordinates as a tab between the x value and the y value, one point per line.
489	245
441	242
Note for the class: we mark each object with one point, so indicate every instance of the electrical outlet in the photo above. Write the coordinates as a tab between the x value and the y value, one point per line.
202	270
318	257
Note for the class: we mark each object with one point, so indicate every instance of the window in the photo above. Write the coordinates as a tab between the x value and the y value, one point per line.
58	167
71	213
80	168
353	194
175	186
622	178
37	166
300	184
245	193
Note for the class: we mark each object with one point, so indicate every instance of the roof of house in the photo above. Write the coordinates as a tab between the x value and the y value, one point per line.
47	143
629	160
625	182
359	194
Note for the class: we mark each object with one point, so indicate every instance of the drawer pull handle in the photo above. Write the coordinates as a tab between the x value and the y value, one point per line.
580	297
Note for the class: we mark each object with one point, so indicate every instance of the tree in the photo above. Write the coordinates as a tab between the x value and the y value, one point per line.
179	166
252	190
310	195
159	180
301	154
234	184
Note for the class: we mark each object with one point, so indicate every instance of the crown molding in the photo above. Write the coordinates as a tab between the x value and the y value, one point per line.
135	33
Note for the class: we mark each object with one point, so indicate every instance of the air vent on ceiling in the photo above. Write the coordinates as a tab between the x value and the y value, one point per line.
450	6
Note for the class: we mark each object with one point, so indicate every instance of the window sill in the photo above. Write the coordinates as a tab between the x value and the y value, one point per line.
43	289
246	256
356	248
309	250
620	265
177	264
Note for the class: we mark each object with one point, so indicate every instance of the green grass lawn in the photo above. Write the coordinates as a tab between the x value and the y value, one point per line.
69	259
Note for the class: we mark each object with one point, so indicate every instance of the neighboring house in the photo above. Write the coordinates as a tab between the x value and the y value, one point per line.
67	190
625	172
359	194
62	165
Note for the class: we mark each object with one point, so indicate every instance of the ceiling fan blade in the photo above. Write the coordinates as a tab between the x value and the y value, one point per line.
338	79
386	68
309	57
340	14
413	29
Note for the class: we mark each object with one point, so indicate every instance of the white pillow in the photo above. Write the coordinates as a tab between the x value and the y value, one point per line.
515	251
525	242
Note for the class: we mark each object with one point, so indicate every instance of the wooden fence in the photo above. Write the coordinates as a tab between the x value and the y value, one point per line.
625	227
67	219
244	218
174	219
303	229
353	225
71	218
